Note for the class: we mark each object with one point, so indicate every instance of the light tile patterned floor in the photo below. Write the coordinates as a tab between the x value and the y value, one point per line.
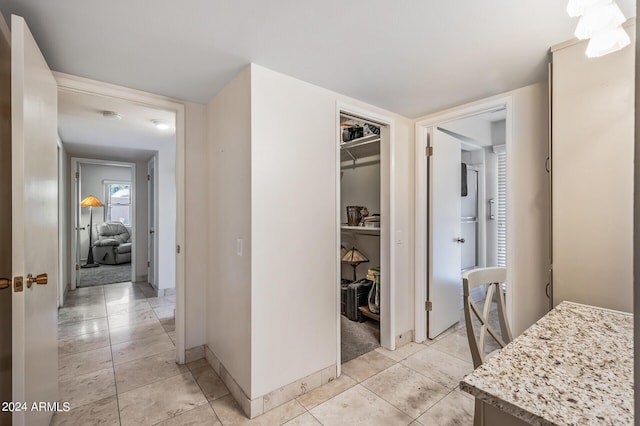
116	345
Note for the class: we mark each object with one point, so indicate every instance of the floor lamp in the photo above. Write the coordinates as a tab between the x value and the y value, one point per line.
91	202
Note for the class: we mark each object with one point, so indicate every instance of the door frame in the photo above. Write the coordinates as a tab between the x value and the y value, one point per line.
68	82
423	242
153	237
75	201
387	210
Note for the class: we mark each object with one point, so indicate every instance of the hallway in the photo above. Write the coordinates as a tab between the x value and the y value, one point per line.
117	367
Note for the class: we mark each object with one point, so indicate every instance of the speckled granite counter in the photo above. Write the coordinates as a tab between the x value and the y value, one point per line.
573	367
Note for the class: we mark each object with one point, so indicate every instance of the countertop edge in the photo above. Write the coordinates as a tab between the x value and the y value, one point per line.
507	407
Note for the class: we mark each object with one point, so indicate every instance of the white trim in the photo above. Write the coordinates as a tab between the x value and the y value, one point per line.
71	83
387	210
422	243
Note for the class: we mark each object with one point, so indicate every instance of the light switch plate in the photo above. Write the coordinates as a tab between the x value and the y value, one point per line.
239	244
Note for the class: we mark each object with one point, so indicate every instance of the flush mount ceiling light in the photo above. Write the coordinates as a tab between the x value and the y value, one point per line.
111	115
161	124
601	22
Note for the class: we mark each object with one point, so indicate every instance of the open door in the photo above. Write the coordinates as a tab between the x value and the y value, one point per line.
5	220
151	248
444	279
34	230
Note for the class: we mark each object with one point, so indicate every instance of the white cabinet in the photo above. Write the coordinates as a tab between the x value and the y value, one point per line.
592	176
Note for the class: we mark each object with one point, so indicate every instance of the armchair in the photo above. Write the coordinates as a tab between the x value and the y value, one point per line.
113	244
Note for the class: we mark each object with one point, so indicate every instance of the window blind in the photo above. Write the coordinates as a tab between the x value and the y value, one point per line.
502	209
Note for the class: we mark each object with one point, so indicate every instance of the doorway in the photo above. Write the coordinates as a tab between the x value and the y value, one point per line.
365	254
104	248
461	207
156	130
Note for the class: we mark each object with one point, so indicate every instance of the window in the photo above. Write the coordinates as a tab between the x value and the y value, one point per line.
502	209
118	202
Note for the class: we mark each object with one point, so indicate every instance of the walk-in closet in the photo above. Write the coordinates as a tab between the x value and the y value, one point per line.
361	222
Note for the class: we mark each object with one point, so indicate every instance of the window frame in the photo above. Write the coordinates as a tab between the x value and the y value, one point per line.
107	183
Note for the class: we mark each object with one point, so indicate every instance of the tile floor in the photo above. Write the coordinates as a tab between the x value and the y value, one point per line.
116	346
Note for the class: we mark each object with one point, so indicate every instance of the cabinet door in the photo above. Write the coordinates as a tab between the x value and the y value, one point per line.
592	177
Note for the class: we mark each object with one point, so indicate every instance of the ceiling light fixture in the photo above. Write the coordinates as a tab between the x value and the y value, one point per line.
600	22
160	124
111	115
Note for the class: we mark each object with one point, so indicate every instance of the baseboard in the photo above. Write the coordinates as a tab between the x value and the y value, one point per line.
194	354
404	338
260	405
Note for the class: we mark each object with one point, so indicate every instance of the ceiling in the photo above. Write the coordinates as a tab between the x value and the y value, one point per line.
87	133
411	56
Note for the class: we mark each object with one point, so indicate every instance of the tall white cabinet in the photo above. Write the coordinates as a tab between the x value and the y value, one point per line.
592	176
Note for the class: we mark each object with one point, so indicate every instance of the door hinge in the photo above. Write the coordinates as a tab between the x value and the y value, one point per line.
428	306
148	264
77	175
178	249
428	151
77	267
148	177
17	284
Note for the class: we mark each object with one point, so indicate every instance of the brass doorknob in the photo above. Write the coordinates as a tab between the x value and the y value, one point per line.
40	279
5	283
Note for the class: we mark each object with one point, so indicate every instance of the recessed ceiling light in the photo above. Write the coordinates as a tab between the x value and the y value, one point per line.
111	115
161	124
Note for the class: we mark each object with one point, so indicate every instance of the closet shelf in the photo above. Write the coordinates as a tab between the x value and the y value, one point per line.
367	146
360	230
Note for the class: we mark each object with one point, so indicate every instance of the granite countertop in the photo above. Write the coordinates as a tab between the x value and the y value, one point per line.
573	367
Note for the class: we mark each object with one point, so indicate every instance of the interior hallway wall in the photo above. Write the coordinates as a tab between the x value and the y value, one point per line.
229	287
294	227
198	270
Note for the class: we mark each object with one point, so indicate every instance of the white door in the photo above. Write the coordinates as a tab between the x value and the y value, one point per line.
35	227
5	221
151	253
444	283
76	253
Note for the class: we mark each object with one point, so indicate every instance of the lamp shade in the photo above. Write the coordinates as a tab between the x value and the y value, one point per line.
91	201
354	257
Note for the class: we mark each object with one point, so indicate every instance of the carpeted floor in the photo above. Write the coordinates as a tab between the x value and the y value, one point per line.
105	274
358	338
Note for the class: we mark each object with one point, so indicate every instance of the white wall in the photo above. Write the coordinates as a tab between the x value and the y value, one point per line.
229	278
294	309
475	128
166	181
528	206
197	271
593	125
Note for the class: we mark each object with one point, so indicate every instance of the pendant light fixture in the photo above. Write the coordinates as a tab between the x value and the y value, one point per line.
600	22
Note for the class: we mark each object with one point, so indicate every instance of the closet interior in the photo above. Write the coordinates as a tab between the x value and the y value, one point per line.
360	227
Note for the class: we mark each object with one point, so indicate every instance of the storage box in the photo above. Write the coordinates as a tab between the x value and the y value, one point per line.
357	294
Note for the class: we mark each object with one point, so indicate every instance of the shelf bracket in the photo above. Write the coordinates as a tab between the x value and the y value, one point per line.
351	155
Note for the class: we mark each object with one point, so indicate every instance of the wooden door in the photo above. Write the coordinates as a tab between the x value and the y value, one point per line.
445	284
34	228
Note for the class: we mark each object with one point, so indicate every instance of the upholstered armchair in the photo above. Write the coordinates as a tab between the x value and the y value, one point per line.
113	244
